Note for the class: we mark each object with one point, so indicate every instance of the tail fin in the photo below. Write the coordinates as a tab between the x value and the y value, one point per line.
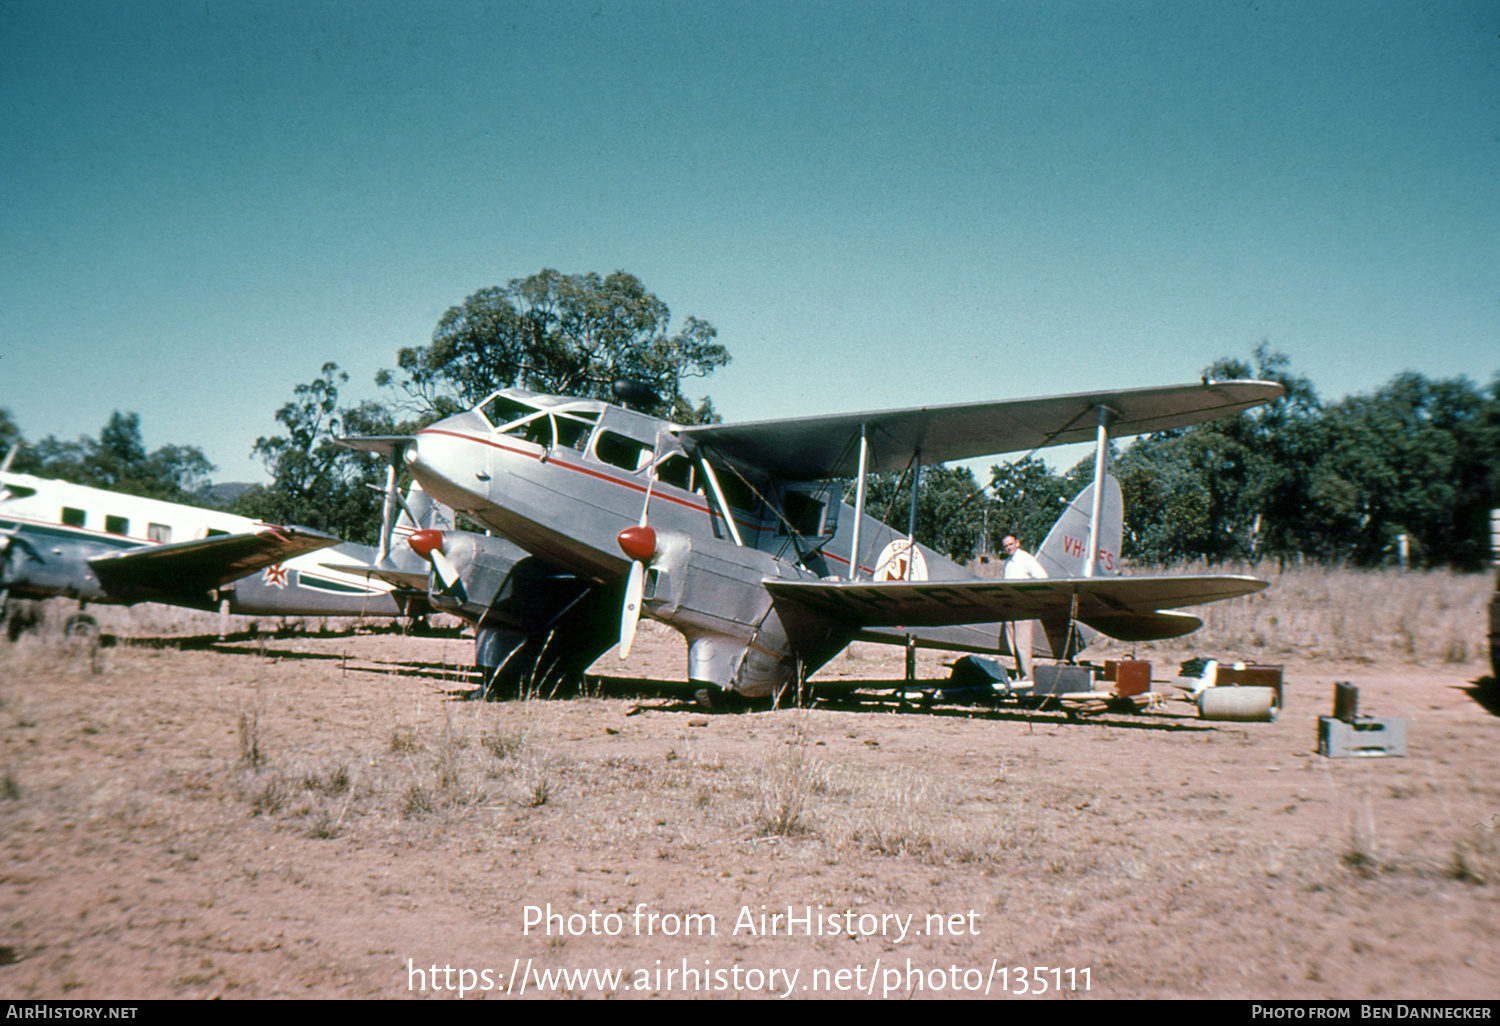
1067	544
428	511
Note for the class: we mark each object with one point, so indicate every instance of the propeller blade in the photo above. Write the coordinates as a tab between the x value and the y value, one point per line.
639	543
630	616
447	573
428	544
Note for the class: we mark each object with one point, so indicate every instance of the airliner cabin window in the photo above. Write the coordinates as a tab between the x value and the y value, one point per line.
622	452
676	471
736	492
573	433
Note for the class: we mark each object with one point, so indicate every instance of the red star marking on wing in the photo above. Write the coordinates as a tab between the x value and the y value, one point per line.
276	576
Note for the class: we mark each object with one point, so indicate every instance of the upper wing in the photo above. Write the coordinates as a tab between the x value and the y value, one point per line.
810	448
1100	600
197	566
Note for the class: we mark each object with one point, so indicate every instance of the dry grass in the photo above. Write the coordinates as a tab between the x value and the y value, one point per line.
197	803
1423	618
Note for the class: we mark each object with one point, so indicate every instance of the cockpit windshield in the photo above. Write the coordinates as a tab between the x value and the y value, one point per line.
501	410
565	426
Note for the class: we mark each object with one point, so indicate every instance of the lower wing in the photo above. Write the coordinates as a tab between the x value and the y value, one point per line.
1129	608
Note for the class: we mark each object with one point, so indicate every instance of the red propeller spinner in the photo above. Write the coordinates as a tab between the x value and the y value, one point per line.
637	542
423	542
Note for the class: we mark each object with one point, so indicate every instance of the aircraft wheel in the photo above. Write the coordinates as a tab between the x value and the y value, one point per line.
81	627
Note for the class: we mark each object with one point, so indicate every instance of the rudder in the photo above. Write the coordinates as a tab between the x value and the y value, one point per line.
1063	552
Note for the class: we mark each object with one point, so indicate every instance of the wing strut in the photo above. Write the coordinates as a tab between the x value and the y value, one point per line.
859	501
1101	460
911	519
713	480
388	508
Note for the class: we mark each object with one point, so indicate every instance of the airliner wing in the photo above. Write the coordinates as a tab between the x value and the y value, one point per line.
191	567
1131	605
812	448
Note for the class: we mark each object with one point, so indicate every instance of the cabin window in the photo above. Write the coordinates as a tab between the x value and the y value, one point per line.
214	532
803	512
117	525
572	432
676	471
622	452
74	517
159	533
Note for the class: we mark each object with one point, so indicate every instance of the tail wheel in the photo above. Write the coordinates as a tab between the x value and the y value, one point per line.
81	626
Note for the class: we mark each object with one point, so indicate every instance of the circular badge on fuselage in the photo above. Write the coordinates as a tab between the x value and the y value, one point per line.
894	559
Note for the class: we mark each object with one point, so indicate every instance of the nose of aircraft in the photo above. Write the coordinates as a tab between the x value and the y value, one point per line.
444	463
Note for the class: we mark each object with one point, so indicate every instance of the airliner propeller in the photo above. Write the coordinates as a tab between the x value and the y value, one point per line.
428	543
639	543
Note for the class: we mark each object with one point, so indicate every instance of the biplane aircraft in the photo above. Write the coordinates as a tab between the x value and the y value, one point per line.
98	546
738	535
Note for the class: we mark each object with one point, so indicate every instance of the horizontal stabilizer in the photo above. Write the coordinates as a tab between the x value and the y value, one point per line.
206	563
385	445
1153	626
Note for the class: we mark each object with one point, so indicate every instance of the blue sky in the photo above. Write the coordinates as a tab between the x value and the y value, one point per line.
877	204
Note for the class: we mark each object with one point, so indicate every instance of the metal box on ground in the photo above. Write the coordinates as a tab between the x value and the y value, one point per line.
1366	736
1059	679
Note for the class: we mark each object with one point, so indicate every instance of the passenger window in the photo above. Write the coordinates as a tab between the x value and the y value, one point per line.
676	471
159	533
74	517
116	525
622	452
573	434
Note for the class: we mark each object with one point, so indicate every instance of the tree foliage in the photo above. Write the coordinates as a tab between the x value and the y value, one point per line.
117	460
319	483
949	507
573	334
1337	483
1296	479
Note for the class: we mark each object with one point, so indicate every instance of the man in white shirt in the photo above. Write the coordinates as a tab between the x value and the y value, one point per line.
1020	565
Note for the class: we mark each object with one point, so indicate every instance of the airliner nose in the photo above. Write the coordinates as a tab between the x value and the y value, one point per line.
444	463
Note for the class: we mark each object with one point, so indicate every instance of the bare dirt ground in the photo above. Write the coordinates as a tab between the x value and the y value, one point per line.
316	816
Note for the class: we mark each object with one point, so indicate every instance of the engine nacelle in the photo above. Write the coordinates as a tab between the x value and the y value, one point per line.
737	638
